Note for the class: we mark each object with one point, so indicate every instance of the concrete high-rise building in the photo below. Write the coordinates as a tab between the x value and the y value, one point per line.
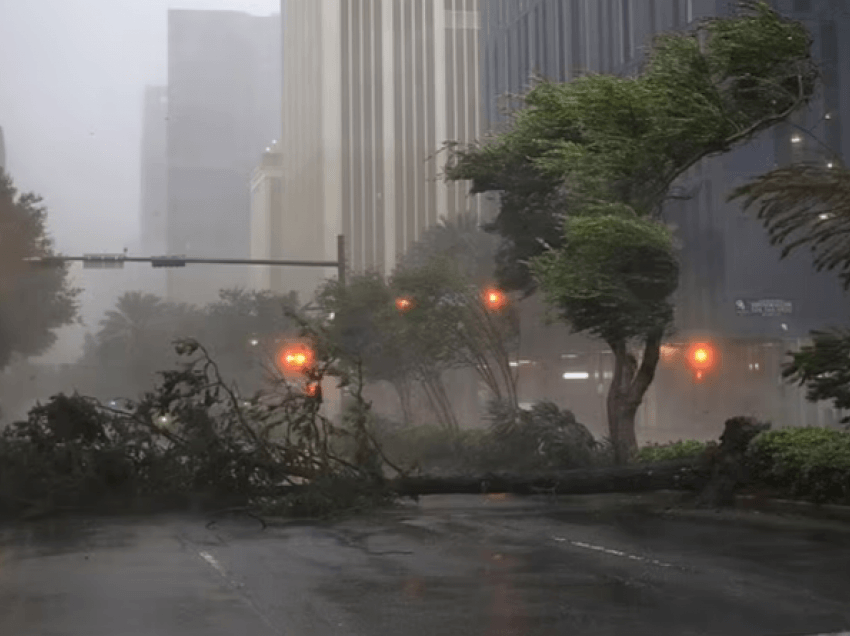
373	90
224	91
154	173
734	288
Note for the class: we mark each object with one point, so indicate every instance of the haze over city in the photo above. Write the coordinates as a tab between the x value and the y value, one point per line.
462	317
72	79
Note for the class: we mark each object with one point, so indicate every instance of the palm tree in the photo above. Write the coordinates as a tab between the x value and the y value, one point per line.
135	315
805	205
809	205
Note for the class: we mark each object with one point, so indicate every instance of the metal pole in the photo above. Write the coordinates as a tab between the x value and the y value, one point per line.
340	256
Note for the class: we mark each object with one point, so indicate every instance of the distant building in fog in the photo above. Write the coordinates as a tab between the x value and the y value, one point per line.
2	151
224	96
154	186
373	90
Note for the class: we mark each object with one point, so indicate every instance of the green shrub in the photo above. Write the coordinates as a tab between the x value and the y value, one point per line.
808	463
683	449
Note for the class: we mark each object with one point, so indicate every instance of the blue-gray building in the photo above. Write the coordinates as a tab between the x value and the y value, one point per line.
734	287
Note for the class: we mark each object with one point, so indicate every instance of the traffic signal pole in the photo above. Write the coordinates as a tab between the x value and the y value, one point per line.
116	261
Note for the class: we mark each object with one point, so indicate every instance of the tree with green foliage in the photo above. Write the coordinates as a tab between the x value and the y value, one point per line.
35	301
603	153
446	274
628	139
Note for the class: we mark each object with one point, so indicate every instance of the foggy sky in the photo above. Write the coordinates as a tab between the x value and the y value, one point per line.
72	75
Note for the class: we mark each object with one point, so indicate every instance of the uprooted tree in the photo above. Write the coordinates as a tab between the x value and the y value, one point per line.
606	151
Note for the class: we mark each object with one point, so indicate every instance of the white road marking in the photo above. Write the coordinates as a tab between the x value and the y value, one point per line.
206	556
599	548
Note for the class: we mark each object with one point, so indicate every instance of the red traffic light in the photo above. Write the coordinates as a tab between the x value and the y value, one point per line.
296	358
494	298
701	357
403	304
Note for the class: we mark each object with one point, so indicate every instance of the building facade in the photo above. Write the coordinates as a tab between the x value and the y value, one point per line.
735	290
2	150
374	88
223	110
266	202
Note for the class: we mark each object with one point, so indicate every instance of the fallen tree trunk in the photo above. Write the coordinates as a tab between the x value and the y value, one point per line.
676	475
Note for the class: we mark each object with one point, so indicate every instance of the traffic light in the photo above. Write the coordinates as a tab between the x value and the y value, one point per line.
701	358
296	358
403	304
494	298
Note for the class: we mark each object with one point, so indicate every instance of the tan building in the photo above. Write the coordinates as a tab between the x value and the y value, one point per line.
372	90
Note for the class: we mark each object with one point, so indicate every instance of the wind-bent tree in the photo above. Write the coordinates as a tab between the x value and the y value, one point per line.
34	301
611	148
366	330
613	278
456	260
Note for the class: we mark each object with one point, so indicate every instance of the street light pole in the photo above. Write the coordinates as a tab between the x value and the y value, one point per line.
340	259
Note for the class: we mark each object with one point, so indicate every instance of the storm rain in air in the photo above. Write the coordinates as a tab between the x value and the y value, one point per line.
497	317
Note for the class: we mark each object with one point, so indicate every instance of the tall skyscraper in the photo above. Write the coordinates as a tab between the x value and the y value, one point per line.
224	96
373	90
154	173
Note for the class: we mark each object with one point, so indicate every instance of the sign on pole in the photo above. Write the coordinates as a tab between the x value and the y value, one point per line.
103	261
763	307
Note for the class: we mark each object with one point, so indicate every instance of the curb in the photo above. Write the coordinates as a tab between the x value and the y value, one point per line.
828	512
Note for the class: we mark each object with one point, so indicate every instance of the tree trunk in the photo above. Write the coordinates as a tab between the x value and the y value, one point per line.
403	390
682	475
625	395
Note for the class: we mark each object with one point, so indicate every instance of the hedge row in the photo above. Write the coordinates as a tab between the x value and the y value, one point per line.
811	464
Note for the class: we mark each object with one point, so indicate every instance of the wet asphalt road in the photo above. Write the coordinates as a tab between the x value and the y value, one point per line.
471	566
